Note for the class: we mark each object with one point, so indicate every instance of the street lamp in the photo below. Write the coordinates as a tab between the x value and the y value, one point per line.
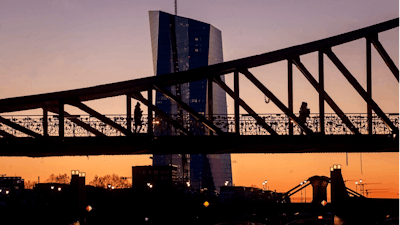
305	193
264	183
356	186
226	183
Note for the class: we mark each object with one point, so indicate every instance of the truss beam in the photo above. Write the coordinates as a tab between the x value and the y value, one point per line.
138	85
128	113
290	93
61	119
385	56
45	122
360	90
328	99
236	101
77	122
210	103
277	102
369	83
246	107
100	117
139	97
150	112
6	134
191	111
19	128
321	94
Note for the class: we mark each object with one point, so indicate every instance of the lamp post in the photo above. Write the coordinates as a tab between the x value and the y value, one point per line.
305	192
356	186
264	183
301	193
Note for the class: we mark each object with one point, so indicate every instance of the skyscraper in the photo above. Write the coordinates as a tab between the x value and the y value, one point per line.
180	44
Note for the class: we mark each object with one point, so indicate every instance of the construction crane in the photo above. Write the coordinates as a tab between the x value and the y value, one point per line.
349	180
362	190
376	190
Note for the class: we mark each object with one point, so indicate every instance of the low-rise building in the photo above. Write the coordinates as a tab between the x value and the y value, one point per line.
240	194
154	177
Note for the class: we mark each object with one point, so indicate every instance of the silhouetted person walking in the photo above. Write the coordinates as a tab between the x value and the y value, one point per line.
304	113
138	117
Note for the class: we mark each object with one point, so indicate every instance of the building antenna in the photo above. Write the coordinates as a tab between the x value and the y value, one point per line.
176	8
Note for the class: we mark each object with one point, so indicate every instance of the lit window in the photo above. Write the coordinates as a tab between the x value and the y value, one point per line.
196	50
196	39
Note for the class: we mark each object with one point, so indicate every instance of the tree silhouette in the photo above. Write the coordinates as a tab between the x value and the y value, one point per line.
113	180
60	178
29	184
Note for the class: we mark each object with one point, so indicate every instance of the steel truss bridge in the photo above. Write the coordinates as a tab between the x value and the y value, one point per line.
56	132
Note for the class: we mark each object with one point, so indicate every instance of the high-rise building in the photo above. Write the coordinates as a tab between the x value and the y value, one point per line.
180	44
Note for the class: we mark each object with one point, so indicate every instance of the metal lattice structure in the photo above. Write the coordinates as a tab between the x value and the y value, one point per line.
65	128
248	125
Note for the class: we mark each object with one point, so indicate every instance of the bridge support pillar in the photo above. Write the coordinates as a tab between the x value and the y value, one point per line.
319	184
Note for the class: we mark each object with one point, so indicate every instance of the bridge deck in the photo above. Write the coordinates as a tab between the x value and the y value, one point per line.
144	144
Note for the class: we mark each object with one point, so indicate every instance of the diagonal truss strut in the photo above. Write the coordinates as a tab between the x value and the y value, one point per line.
274	99
99	116
360	90
191	111
327	98
77	121
138	96
245	106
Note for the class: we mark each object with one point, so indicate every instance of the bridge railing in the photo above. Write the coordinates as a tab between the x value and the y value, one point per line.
248	125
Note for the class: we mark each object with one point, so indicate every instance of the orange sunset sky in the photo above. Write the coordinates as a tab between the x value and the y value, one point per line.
48	46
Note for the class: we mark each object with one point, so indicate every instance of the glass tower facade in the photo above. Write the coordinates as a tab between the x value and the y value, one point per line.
180	44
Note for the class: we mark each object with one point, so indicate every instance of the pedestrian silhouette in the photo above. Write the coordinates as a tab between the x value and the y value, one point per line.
304	113
138	117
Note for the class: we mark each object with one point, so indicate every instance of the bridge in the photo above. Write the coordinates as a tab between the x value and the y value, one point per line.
56	132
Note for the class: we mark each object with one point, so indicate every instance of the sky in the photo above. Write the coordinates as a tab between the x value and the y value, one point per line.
48	46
